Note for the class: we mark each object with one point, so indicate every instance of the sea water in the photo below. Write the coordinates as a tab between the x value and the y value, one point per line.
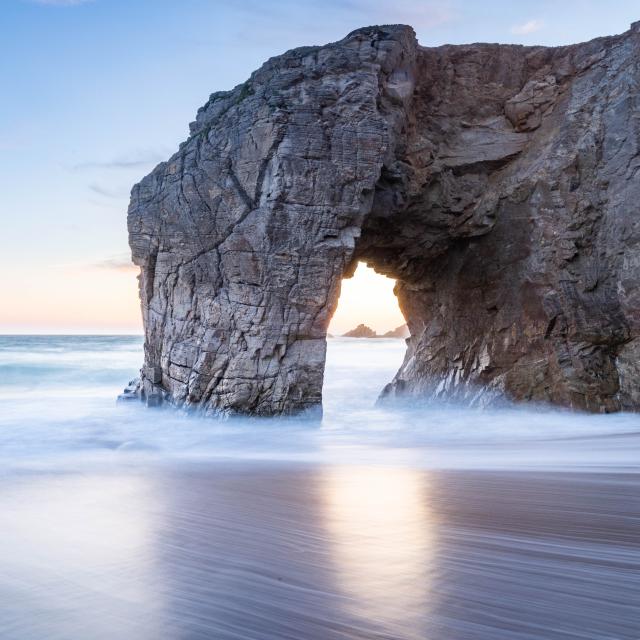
57	403
413	522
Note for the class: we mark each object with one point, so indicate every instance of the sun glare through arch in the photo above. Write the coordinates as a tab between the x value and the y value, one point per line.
366	298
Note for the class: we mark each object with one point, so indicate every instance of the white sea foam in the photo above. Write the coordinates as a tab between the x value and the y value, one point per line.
57	400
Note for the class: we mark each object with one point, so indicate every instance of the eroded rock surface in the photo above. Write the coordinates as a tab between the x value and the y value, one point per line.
499	185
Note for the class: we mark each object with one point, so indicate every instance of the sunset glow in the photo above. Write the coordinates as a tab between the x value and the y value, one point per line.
71	299
367	298
104	299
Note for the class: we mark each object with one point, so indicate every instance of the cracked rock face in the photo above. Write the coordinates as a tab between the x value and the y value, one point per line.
500	185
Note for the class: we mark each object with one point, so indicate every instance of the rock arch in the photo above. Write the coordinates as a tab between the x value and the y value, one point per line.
499	184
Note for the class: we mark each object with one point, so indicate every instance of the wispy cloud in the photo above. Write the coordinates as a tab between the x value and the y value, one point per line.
530	26
120	263
420	15
60	3
431	12
270	21
107	192
138	161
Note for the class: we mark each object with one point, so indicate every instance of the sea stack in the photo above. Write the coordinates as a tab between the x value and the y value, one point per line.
499	184
399	332
361	331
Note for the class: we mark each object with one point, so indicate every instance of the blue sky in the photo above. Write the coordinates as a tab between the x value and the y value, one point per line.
97	92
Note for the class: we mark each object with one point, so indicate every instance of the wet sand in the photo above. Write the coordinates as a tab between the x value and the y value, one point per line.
273	551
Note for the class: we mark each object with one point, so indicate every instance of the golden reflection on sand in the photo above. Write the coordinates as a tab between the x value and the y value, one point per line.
382	537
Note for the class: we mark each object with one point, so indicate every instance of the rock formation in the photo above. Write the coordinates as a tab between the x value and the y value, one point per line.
399	332
498	184
361	331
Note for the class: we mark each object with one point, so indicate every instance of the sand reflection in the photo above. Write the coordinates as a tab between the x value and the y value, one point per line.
76	558
382	537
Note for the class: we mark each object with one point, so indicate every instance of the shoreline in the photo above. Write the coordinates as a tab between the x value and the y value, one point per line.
266	551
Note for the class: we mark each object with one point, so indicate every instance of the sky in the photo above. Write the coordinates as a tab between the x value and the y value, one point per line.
97	92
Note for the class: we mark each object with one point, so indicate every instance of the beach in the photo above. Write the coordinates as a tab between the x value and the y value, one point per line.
396	522
273	551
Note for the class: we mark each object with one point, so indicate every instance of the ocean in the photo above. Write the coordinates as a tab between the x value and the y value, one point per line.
57	402
402	522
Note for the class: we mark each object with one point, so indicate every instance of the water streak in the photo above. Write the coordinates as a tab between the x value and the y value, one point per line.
57	400
395	523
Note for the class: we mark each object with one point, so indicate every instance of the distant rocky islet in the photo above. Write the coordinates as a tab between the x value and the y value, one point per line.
364	331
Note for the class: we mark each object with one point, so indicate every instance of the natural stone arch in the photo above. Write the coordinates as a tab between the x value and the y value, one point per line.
496	183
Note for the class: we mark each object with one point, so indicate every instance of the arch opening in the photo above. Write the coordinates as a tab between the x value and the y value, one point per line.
366	341
366	298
